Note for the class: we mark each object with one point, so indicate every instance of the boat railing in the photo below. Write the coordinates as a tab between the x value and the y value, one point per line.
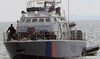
77	35
5	36
44	35
37	35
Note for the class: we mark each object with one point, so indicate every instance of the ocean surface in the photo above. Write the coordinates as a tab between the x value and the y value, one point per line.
90	27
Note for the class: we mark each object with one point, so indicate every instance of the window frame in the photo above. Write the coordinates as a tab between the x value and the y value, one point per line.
28	21
41	19
35	20
47	19
22	20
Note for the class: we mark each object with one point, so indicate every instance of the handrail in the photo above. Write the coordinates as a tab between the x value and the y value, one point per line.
78	35
55	36
4	36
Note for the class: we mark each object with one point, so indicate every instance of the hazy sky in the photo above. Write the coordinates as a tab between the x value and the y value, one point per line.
10	9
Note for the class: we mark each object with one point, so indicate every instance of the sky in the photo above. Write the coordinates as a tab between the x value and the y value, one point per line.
10	10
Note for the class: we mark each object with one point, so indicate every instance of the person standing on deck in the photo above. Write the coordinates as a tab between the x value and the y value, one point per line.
12	33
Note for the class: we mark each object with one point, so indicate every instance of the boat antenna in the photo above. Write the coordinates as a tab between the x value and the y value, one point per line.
68	11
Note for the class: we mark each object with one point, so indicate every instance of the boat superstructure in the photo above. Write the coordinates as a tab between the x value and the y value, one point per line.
44	32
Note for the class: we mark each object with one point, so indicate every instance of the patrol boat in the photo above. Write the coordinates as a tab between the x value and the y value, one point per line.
43	32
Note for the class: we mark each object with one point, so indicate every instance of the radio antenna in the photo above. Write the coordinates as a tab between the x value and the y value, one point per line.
68	11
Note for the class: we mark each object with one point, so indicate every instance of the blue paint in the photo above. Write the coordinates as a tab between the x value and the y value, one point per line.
48	49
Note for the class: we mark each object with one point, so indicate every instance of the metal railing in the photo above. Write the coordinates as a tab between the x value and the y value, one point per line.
77	35
37	35
45	35
5	36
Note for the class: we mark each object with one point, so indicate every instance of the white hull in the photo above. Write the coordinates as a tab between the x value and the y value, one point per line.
52	48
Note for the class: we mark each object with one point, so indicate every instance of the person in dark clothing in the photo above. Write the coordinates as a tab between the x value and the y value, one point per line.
58	11
12	32
51	9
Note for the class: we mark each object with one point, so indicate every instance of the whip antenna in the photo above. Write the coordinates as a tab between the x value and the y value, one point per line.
68	11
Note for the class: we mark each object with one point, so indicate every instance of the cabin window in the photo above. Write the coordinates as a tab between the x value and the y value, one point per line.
22	20
48	20
41	20
28	20
34	20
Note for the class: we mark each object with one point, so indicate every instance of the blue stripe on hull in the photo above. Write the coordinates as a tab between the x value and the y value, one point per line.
48	49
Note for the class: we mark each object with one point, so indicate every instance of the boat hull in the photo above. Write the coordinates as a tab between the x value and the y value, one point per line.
23	56
51	49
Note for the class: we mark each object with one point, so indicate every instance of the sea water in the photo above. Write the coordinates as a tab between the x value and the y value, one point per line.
90	27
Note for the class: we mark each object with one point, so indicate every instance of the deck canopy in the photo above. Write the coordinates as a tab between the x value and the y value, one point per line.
40	0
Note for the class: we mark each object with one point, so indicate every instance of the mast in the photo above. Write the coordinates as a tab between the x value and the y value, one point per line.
68	11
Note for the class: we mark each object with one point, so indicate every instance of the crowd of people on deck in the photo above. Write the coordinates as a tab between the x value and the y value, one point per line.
46	35
31	34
